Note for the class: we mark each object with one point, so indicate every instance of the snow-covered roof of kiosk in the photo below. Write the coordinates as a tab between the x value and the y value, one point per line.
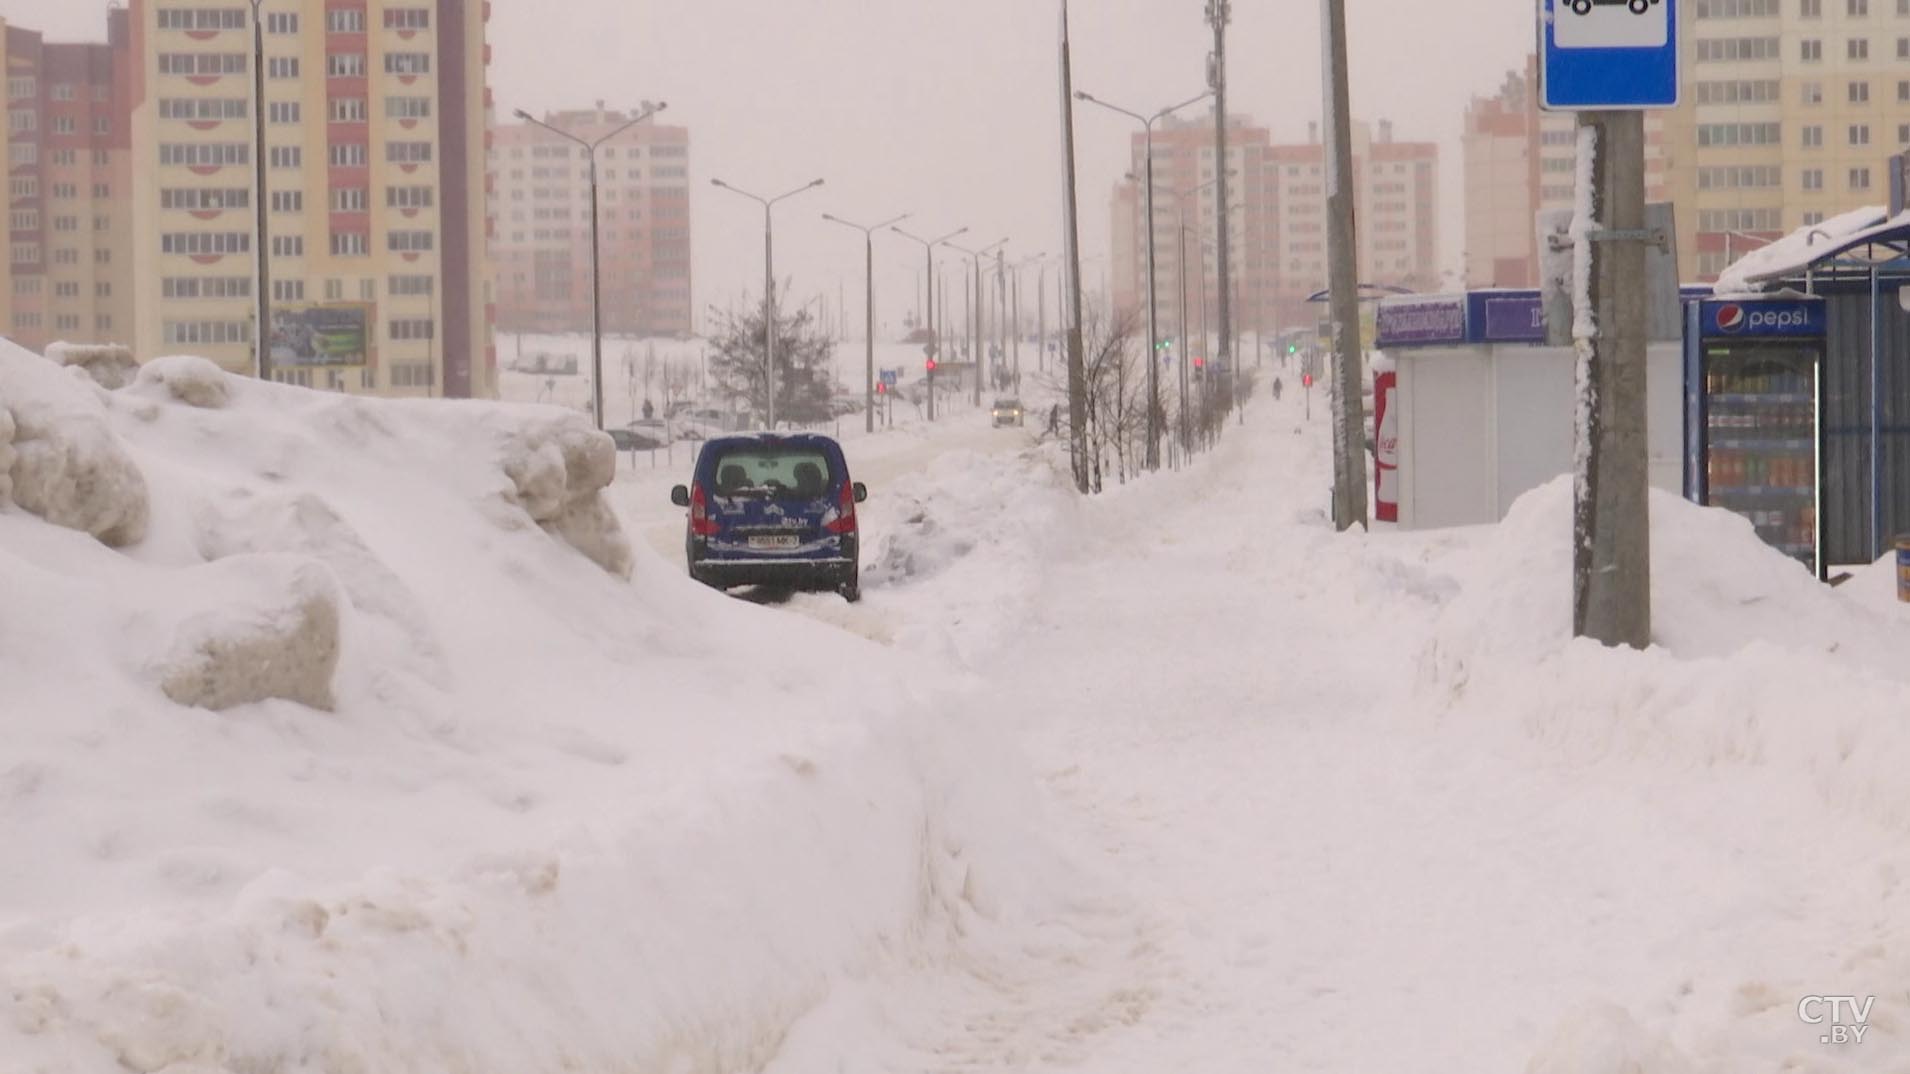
1797	252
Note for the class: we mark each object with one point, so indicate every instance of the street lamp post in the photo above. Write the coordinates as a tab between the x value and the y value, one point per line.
868	263
596	277
975	258
1016	269
1153	335
1181	198
935	338
262	330
769	290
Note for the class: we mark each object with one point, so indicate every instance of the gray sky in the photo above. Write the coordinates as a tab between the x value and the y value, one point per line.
946	108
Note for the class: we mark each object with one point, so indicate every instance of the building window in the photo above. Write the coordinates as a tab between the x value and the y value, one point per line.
202	18
64	125
281	22
345	21
22	120
1860	93
283	111
202	64
61	224
288	290
407	63
411	328
1813	137
1813	178
177	332
407	18
1813	93
345	65
408	197
205	154
206	243
22	88
1860	134
408	107
348	110
205	201
203	109
26	186
408	152
288	246
1810	9
206	287
1729	134
1715	220
349	155
1860	178
410	286
281	67
1857	48
287	156
408	242
1857	8
350	199
411	375
350	244
288	201
1812	50
1903	134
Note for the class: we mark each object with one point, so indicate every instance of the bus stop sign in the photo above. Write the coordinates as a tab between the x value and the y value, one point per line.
1608	55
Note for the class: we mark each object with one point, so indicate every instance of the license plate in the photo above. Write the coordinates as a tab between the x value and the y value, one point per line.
779	541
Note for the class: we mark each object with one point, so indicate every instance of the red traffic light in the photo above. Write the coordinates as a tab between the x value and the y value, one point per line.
881	389
931	365
1307	379
1200	363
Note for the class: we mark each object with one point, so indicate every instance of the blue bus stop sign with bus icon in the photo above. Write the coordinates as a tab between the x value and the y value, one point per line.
1608	55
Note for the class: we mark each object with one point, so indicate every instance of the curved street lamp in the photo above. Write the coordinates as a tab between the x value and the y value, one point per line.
769	288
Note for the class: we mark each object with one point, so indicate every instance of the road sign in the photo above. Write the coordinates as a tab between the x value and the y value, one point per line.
890	376
1608	55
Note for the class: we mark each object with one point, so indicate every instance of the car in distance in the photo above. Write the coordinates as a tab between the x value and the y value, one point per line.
773	510
1008	412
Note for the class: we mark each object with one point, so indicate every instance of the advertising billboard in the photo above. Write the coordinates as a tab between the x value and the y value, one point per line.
321	335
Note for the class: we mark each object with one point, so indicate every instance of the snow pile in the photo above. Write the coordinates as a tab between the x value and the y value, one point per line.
959	552
1795	252
557	818
110	366
1746	645
1606	1040
65	464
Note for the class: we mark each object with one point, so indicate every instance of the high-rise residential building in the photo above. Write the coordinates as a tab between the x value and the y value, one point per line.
376	128
1279	220
1791	110
1520	161
69	173
541	221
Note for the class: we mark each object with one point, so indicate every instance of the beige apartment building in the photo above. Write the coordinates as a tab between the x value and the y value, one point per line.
541	222
376	115
1278	214
1791	110
65	276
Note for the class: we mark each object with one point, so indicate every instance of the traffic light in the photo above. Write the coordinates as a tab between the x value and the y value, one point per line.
881	389
1293	348
1200	363
931	365
1306	379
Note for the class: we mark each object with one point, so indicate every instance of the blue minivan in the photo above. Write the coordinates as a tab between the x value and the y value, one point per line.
773	510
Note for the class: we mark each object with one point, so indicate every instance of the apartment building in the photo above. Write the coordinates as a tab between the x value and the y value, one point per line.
541	221
1278	213
69	171
1520	161
375	140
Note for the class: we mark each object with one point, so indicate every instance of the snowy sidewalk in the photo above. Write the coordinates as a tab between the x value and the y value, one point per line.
1309	869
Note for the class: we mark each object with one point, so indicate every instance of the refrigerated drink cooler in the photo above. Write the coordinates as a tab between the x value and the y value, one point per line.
1753	417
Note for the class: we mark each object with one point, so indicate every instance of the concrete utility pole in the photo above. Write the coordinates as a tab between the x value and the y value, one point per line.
1071	270
1611	547
1219	14
868	309
1349	440
262	330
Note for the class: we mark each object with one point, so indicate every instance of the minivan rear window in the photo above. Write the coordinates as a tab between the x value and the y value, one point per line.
782	474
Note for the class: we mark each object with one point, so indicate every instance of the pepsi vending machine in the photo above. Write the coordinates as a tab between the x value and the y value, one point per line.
1753	416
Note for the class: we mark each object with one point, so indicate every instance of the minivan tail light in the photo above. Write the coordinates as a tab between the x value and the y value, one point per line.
701	524
845	520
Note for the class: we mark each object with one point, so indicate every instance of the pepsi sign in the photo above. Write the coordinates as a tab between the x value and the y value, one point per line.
1762	318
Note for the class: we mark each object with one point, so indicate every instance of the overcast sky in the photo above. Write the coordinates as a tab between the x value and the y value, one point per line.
947	108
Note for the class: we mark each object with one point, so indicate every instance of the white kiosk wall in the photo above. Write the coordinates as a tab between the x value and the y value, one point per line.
1481	425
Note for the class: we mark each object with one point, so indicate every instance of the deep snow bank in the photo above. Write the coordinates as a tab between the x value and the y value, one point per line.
557	819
